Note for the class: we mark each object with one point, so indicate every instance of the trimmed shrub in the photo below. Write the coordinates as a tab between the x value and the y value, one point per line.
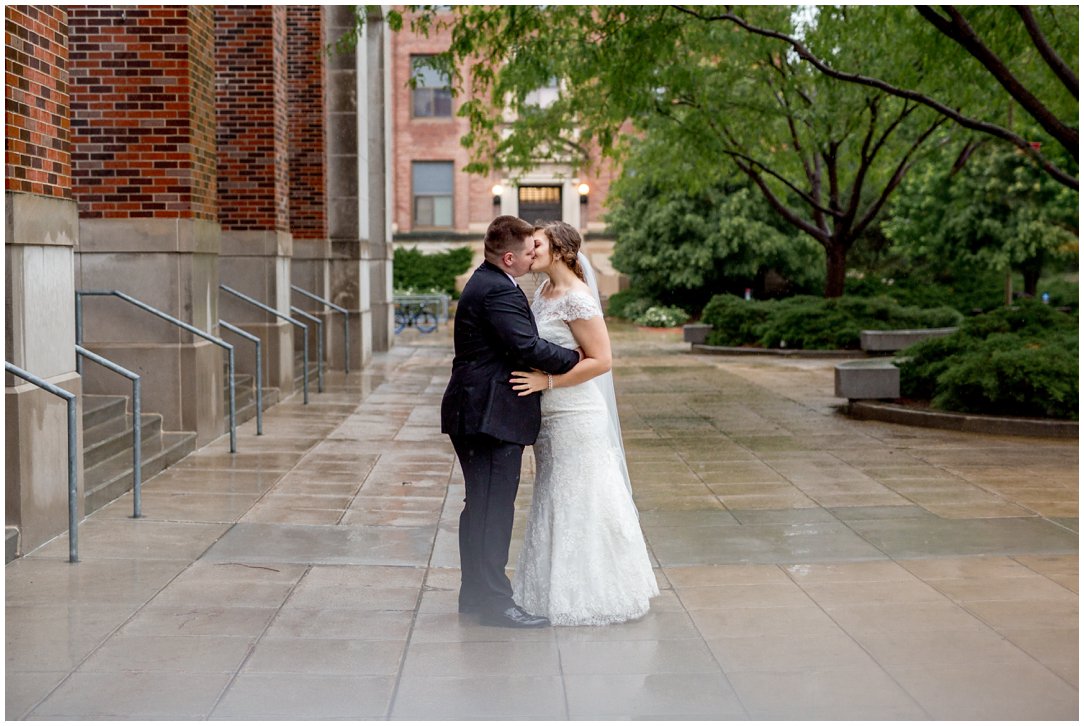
807	322
416	273
1017	361
735	321
628	304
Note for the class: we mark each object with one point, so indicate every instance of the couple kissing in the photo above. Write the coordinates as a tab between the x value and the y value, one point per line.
540	374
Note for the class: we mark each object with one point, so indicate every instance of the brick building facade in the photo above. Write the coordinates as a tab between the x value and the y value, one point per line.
438	205
162	151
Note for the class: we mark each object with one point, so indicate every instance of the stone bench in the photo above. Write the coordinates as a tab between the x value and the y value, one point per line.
889	341
870	378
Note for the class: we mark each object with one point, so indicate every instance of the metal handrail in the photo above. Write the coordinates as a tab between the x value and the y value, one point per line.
169	318
259	372
73	475
137	425
319	344
346	321
305	343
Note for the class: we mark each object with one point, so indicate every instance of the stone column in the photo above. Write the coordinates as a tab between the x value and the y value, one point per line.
253	179
143	168
348	183
381	252
41	229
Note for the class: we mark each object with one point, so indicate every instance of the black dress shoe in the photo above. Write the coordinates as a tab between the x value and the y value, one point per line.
514	617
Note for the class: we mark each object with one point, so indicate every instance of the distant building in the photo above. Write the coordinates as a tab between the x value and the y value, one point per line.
437	205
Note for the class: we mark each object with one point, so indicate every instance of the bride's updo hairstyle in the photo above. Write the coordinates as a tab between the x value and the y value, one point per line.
564	245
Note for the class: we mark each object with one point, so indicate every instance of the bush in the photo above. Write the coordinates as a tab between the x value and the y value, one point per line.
418	273
735	321
628	304
808	322
1017	361
661	316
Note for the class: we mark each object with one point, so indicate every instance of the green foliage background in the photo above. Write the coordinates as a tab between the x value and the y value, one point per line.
417	273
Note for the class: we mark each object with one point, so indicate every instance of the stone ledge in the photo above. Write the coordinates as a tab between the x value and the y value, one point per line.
778	352
969	422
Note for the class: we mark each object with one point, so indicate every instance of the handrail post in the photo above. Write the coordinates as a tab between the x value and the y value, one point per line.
73	473
233	404
180	324
319	345
287	318
346	322
137	424
259	372
78	330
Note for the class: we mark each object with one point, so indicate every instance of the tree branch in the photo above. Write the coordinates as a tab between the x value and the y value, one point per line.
897	177
1061	68
965	121
965	36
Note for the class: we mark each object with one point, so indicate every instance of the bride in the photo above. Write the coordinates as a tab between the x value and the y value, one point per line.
584	560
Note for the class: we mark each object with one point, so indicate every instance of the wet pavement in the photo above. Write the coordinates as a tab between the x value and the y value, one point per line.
811	567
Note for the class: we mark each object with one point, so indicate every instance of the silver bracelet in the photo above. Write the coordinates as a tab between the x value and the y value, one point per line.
549	381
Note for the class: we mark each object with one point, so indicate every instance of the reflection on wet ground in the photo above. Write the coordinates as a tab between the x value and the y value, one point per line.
812	567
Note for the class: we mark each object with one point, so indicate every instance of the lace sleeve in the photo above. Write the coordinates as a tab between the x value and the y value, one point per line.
580	306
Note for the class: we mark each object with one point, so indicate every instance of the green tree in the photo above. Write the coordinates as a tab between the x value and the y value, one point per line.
825	155
996	59
684	234
997	211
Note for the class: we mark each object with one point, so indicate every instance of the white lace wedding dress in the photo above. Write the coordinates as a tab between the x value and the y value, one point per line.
584	560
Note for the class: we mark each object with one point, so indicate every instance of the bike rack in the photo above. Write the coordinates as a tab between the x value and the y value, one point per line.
346	321
137	425
291	321
259	372
73	475
169	318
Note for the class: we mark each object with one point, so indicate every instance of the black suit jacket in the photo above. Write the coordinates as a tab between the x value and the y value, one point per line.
495	334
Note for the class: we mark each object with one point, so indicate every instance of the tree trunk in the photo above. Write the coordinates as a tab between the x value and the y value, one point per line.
1032	270
837	269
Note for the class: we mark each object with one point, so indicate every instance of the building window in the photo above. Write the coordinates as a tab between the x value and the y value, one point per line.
432	94
432	193
544	96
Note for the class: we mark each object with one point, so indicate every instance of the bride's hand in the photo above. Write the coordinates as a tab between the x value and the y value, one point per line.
528	383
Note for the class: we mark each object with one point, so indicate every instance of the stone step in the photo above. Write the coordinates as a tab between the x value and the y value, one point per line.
114	477
99	409
119	439
11	535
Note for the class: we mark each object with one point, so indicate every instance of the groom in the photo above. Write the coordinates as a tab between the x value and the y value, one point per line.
489	424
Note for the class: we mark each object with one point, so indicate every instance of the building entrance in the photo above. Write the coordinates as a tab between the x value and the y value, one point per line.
540	203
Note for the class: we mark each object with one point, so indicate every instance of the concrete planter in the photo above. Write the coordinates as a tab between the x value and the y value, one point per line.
696	333
876	378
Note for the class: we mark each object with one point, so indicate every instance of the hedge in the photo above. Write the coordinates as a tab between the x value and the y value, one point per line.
813	323
1015	361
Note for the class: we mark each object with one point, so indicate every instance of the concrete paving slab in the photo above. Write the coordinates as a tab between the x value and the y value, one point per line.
811	567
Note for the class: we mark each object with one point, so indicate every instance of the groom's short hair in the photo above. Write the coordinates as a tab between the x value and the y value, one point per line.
505	234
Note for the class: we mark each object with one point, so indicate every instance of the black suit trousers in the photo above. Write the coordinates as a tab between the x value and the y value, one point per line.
491	472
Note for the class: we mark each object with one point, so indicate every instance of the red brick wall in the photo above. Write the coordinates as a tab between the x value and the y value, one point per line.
251	101
37	154
142	139
437	139
307	123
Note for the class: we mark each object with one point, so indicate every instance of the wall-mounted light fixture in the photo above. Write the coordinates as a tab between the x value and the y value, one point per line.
498	190
584	190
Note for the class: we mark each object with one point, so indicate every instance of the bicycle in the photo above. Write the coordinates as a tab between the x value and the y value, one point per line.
414	316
